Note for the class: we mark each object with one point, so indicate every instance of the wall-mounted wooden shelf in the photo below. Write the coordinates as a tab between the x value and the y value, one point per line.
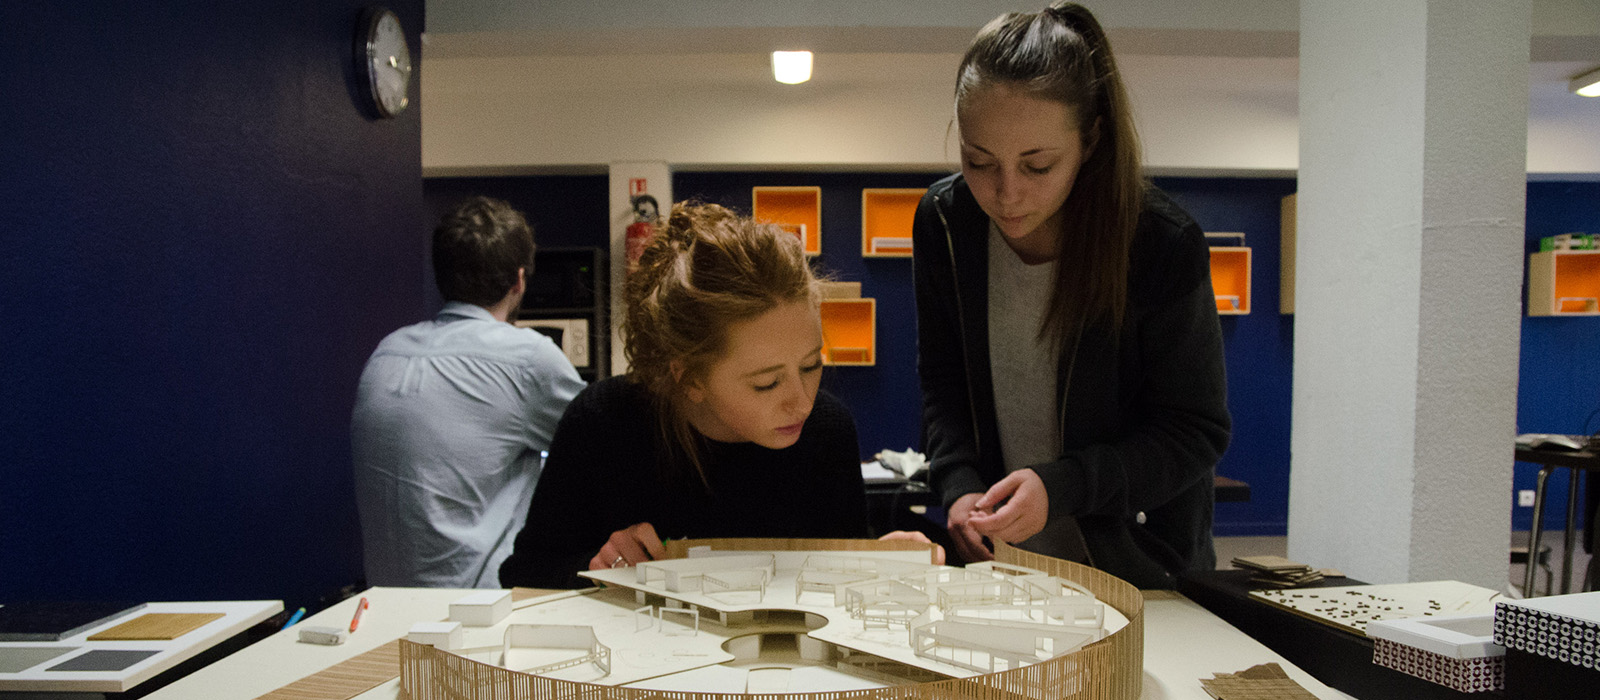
886	215
798	209
1230	279
1564	283
849	331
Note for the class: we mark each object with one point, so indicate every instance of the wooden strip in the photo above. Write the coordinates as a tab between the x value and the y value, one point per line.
346	679
156	626
520	594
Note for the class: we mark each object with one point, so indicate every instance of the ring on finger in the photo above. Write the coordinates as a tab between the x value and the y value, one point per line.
619	560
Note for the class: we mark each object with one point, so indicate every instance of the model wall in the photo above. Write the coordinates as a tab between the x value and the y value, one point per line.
204	237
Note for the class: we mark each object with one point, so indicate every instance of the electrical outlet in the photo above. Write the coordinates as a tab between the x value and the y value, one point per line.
1525	498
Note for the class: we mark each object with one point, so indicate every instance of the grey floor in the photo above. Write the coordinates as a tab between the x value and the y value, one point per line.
1230	547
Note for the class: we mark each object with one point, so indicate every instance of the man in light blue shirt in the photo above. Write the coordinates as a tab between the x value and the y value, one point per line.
452	413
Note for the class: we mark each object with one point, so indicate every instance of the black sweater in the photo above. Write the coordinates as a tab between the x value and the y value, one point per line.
608	470
1144	421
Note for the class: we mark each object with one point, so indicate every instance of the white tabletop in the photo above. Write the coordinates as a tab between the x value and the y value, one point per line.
1183	643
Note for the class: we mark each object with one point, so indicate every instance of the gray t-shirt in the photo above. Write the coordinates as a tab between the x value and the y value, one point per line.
1023	369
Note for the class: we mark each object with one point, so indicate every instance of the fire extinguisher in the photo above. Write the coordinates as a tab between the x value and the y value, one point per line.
645	215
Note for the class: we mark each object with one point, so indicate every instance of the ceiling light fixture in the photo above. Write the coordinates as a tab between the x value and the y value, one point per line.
791	67
1587	84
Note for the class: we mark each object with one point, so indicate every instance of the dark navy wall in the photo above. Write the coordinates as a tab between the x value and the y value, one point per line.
204	238
1558	387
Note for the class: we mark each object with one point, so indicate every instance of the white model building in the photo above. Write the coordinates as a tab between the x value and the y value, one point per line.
788	622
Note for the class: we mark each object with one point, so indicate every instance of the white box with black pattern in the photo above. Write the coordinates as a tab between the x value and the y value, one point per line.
1455	651
1562	628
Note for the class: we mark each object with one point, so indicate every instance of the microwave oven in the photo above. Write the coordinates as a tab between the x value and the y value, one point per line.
569	334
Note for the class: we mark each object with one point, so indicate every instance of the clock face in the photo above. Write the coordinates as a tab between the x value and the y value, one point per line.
388	62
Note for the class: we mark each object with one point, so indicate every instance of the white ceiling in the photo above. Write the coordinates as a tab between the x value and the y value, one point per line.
1563	30
1212	80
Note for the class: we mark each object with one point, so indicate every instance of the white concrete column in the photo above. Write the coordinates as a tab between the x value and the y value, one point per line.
1413	128
629	179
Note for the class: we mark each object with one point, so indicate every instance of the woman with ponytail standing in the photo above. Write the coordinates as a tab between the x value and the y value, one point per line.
1070	354
718	428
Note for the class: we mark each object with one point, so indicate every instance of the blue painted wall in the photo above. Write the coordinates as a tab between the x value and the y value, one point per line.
1259	347
204	239
1558	388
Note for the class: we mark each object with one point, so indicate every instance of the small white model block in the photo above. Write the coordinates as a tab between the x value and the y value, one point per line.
322	634
442	635
481	609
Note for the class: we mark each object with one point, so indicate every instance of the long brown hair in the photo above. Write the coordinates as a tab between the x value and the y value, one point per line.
1062	54
704	270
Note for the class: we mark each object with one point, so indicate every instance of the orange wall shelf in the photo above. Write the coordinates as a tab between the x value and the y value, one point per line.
849	331
886	215
798	209
1564	283
1230	280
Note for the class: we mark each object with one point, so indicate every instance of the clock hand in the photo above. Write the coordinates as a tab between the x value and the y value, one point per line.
404	70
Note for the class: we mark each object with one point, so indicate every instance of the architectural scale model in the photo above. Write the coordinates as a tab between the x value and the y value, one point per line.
734	618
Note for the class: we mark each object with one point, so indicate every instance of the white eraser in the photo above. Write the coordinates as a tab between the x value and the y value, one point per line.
481	609
442	635
317	634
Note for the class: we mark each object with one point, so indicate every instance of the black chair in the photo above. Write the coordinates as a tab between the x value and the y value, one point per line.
1519	555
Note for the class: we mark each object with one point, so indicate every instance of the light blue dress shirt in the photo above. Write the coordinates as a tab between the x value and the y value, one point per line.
450	417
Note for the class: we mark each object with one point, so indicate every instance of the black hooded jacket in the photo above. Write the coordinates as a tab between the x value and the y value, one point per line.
1143	420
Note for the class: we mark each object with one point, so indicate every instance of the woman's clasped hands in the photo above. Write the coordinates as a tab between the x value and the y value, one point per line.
1012	510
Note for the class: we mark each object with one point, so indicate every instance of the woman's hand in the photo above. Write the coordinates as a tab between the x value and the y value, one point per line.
638	543
969	542
938	551
1025	510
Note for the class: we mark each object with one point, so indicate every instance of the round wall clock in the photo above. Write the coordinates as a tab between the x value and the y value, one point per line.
383	56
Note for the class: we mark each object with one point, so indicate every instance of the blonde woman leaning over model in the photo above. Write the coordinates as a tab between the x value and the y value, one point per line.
717	430
1069	348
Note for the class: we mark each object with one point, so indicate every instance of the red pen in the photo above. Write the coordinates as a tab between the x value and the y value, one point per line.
357	619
